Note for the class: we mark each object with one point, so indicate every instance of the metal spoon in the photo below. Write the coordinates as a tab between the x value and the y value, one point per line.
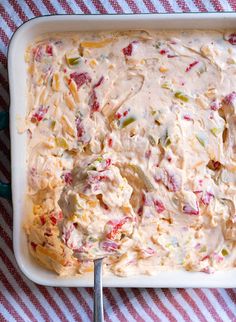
98	293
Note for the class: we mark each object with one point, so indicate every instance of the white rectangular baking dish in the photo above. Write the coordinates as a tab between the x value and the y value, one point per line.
17	78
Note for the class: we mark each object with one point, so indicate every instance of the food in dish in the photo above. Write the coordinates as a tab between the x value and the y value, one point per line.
131	151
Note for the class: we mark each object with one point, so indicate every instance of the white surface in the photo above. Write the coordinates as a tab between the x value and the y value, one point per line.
17	79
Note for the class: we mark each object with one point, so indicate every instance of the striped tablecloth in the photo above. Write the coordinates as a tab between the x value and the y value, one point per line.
22	300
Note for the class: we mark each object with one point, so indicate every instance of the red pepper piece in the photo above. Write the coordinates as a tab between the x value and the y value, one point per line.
80	78
39	114
159	206
33	245
49	50
116	227
232	39
190	66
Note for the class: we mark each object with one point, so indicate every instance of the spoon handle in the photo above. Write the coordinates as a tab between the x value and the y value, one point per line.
98	294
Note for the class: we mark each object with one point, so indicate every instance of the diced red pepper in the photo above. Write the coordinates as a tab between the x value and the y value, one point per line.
43	220
94	102
125	113
187	209
80	128
49	50
159	206
33	245
228	99
187	118
118	116
207	197
171	56
232	39
80	78
214	106
109	246
53	220
190	66
108	162
68	178
39	114
110	142
163	51
116	227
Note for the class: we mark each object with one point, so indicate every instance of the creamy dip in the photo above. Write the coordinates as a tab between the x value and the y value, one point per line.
132	151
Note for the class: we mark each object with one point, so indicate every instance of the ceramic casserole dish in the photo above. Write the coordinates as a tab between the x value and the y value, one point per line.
18	107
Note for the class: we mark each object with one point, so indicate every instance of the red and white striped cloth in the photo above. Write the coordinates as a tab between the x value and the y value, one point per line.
22	300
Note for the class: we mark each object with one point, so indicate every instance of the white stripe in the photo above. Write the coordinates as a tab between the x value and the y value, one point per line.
72	299
13	303
215	304
226	6
124	6
159	6
184	304
31	285
228	300
170	306
192	6
136	306
13	14
108	7
201	305
91	7
6	29
153	306
208	5
76	303
74	6
175	6
29	14
221	291
6	314
5	227
121	304
141	6
22	294
109	310
58	7
60	303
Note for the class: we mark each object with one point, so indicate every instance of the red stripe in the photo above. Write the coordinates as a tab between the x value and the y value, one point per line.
99	6
128	304
201	7
157	300
232	294
20	281
193	305
183	5
50	7
68	304
9	307
82	303
18	10
144	304
2	319
232	4
133	6
83	7
166	5
6	218
115	5
208	305
149	6
217	5
114	304
3	58
16	296
11	24
5	149
223	304
4	38
106	317
66	6
33	7
51	302
177	306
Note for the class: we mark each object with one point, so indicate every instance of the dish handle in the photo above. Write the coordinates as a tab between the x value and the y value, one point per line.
5	188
